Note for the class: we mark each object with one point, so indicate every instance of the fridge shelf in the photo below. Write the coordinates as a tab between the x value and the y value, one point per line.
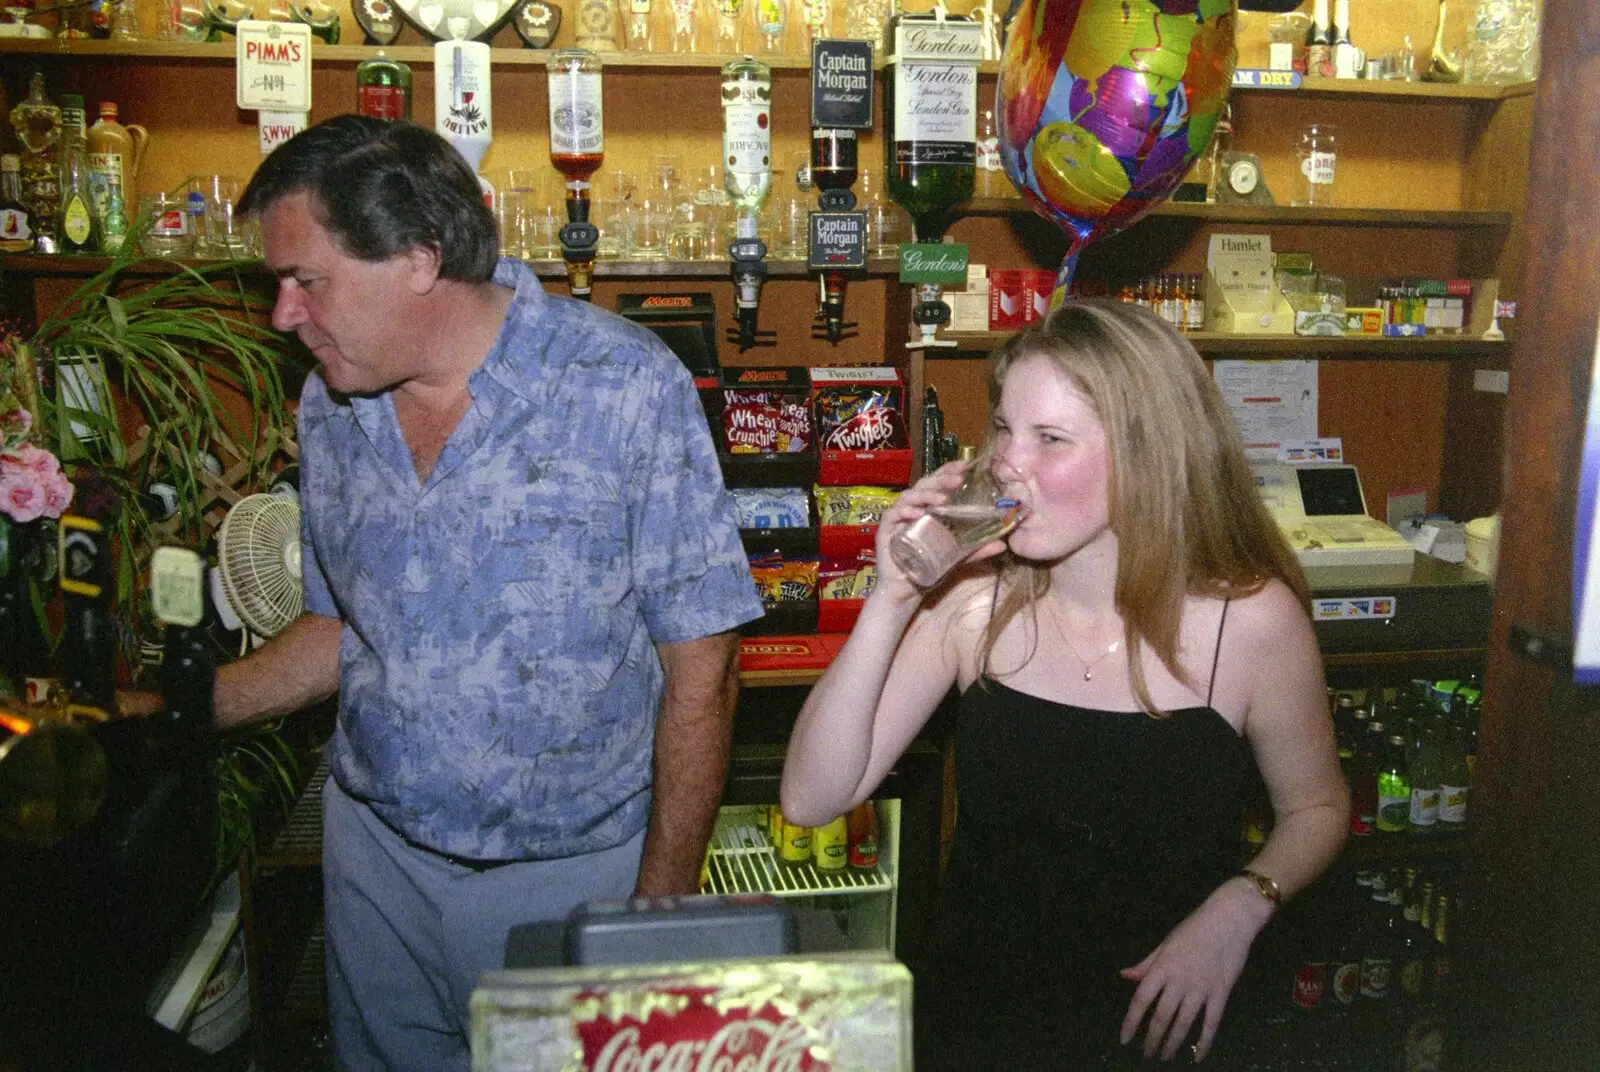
743	861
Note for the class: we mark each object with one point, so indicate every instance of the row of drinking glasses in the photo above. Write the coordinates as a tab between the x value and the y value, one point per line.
198	220
668	213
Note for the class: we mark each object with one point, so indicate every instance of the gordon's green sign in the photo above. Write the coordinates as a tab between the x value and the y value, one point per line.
931	262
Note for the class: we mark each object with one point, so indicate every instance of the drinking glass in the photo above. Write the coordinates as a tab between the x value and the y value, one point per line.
517	196
169	230
541	231
649	223
887	223
931	546
218	231
1316	152
664	176
789	223
611	215
510	209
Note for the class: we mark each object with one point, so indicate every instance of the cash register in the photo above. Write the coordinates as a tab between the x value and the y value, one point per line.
1371	591
1322	512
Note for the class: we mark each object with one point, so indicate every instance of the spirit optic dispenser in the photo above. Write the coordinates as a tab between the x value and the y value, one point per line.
931	148
463	112
577	146
841	105
747	178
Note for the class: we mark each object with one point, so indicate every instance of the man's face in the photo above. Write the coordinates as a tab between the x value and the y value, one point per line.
348	312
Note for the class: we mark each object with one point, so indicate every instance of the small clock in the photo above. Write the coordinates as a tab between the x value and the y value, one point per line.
1242	182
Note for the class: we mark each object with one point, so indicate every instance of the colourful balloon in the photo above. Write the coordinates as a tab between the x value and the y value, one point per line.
1104	104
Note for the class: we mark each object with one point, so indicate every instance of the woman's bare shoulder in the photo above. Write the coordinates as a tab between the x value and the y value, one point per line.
1270	621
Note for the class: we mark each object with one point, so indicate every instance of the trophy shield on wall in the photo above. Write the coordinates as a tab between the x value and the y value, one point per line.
536	23
456	20
378	20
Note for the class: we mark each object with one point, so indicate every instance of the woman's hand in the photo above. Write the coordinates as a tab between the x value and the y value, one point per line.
1189	976
933	490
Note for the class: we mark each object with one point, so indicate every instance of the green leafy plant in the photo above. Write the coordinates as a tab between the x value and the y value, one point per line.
188	353
258	775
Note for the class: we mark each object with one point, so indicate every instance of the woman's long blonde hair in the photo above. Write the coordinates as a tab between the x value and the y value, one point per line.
1183	501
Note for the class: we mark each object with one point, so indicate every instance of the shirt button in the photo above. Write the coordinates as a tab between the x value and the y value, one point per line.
417	621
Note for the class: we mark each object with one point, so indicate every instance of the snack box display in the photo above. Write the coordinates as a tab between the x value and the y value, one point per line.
862	435
841	1012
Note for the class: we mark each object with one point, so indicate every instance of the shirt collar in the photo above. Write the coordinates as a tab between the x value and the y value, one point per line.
517	356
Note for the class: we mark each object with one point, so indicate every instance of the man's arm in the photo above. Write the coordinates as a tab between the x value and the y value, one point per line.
291	671
693	735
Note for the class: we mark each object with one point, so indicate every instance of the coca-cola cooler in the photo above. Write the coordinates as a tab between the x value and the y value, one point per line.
883	908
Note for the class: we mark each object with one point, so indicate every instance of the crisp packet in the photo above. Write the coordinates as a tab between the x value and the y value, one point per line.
784	581
846	578
852	505
771	508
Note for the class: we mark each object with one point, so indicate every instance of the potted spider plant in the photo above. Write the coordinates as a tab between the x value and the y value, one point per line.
152	368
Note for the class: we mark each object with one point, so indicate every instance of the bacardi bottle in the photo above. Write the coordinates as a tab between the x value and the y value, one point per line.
747	178
747	138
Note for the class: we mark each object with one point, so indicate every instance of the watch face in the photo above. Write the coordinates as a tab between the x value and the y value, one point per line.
1243	177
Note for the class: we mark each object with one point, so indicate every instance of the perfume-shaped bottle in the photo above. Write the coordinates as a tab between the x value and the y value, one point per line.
37	123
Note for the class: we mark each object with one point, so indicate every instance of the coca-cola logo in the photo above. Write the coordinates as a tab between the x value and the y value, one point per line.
698	1030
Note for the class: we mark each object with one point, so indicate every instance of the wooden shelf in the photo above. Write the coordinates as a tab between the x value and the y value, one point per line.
77	265
422	55
1426	348
1281	215
223	52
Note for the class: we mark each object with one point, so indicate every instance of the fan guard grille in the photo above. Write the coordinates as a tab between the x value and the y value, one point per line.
258	556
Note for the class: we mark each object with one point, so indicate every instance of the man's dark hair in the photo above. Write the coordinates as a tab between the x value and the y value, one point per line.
382	187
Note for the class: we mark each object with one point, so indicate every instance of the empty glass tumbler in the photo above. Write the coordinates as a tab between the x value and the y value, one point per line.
1317	154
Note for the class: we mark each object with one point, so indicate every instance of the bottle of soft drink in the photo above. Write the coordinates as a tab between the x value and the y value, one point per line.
864	836
830	845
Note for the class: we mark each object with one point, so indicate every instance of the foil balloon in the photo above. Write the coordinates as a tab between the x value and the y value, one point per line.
1104	104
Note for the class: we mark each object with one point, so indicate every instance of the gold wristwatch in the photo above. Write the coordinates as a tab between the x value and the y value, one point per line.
1266	885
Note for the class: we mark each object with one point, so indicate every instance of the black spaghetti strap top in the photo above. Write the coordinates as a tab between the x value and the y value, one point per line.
1083	837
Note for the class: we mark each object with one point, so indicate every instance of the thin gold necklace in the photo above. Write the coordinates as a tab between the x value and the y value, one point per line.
1088	664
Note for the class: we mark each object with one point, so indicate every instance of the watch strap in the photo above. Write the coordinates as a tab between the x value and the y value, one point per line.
1266	885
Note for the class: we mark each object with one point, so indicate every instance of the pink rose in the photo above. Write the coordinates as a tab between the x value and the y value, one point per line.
38	461
22	497
57	495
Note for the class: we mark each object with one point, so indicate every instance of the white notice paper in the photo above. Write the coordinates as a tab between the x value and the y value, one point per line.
1273	402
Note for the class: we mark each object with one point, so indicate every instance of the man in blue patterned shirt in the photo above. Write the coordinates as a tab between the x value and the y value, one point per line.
522	576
